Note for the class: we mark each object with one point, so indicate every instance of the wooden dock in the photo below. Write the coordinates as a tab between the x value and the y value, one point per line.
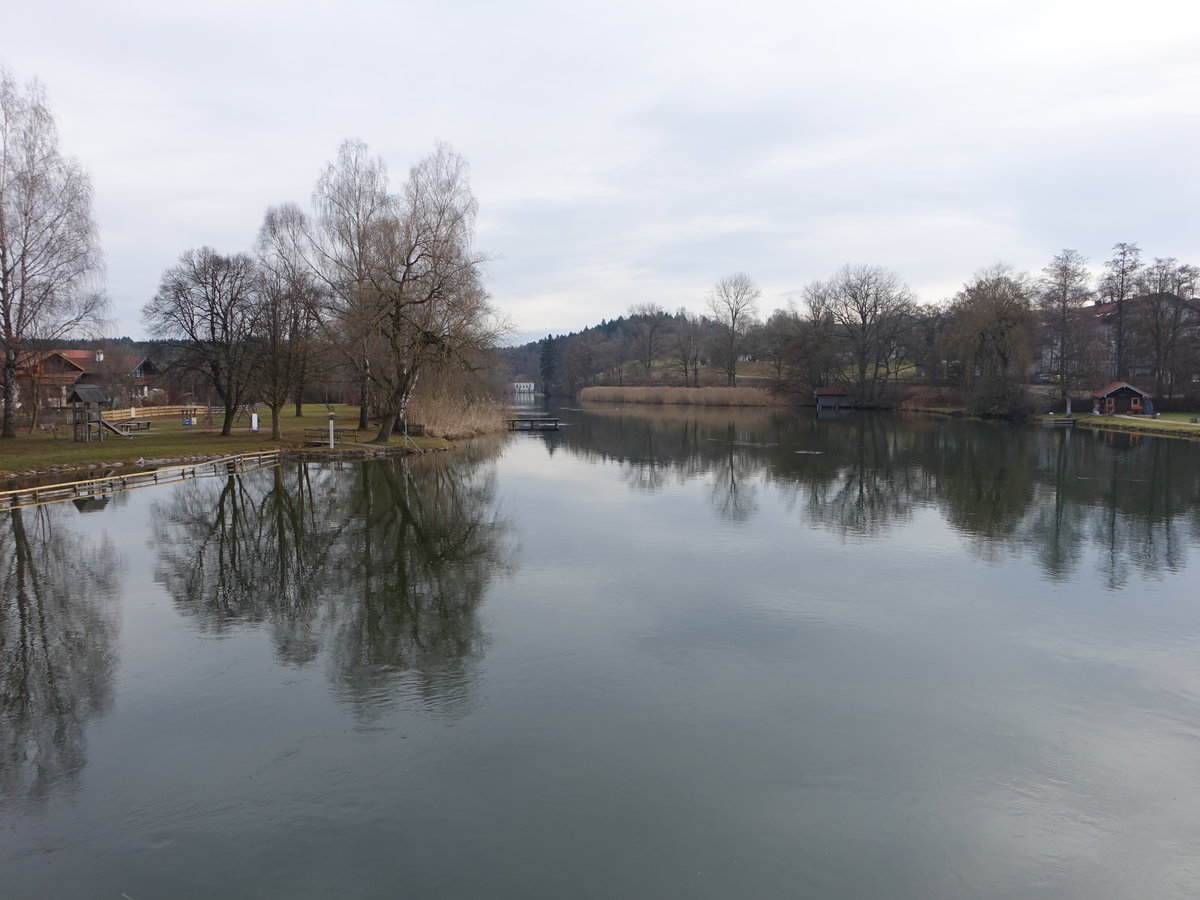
533	423
1059	421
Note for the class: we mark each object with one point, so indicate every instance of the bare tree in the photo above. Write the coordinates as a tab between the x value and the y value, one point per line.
406	277
868	308
993	332
206	306
687	347
927	338
1063	292
1162	317
733	302
801	346
1118	286
648	324
287	315
49	255
351	200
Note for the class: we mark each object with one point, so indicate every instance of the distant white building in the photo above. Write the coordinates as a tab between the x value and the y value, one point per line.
524	387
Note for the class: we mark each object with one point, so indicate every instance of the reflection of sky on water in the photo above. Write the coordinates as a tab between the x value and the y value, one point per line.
900	699
1048	726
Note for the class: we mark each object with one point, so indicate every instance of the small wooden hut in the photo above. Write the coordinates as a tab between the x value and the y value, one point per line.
1122	398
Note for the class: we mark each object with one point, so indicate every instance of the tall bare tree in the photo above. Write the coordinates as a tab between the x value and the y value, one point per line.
407	279
648	324
206	306
1118	285
49	253
351	201
1063	291
868	308
1162	318
288	308
687	346
733	302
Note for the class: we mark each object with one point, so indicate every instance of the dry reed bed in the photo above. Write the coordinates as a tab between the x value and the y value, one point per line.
681	396
455	420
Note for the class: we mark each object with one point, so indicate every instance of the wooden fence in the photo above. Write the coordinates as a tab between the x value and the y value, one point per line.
105	485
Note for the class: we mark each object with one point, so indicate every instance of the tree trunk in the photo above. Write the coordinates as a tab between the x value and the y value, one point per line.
386	424
364	393
10	398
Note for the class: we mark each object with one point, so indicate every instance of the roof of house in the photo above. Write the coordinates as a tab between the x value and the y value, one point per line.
81	358
1116	386
87	393
830	392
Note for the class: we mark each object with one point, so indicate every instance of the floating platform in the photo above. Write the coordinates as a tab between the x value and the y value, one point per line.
533	423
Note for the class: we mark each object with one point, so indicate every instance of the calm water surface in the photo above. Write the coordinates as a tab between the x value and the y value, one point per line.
654	654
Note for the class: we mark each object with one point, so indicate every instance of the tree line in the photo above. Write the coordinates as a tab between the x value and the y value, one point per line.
863	329
388	283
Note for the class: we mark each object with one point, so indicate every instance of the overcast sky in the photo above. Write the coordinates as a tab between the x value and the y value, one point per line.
631	152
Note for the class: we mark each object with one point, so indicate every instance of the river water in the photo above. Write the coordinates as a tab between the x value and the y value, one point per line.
657	653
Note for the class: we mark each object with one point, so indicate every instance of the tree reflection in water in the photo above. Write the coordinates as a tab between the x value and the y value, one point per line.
1006	489
380	565
57	637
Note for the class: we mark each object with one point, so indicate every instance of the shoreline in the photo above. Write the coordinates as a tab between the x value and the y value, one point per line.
88	471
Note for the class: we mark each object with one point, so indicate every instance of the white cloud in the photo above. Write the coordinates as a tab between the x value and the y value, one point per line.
631	152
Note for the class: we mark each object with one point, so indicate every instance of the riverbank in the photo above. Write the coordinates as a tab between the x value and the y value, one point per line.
684	396
168	441
1140	425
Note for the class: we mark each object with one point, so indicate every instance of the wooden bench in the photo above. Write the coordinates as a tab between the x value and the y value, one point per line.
134	425
321	435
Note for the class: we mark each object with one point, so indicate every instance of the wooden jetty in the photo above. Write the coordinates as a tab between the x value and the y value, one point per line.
1059	421
111	483
533	423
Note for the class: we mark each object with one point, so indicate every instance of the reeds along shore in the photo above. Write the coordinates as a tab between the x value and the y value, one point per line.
683	396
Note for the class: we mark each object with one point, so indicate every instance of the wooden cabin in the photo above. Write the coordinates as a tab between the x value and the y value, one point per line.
1122	399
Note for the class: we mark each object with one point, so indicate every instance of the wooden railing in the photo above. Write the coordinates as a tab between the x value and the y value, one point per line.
126	481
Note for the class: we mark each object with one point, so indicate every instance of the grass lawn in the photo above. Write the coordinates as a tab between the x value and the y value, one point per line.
169	439
1167	424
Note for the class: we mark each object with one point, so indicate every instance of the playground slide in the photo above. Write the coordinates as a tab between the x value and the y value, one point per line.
116	430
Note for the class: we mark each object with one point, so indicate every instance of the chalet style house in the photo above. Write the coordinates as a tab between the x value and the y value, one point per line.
46	377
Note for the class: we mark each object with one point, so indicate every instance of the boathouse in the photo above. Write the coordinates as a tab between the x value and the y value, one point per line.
1122	398
831	397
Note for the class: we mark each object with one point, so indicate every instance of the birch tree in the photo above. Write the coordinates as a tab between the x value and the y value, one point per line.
49	253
